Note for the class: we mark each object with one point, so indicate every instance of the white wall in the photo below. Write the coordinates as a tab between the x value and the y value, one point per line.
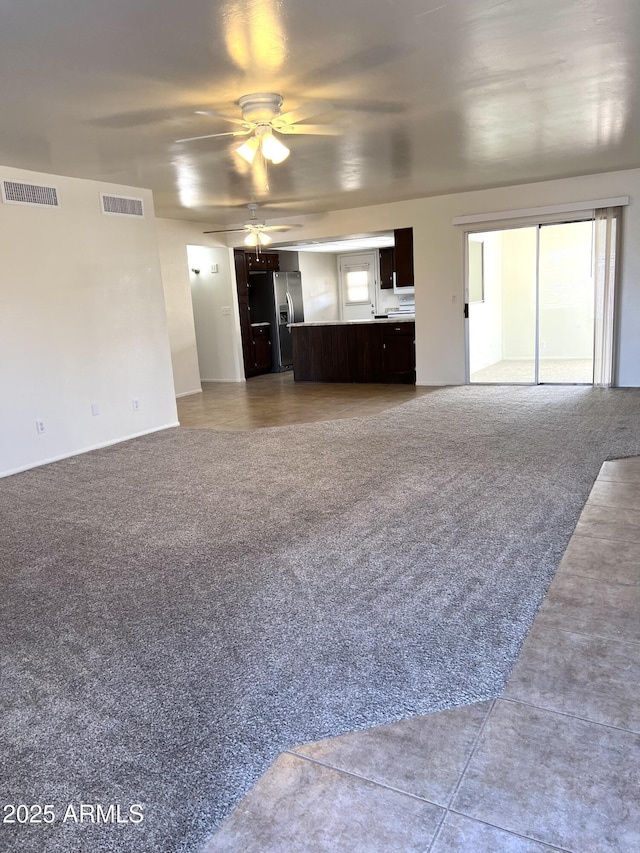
82	321
320	289
438	249
215	311
219	338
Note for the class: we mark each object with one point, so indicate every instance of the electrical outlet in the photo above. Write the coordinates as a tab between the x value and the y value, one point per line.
40	427
95	409
136	405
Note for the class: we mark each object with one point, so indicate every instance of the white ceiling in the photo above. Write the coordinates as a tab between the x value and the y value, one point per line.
432	96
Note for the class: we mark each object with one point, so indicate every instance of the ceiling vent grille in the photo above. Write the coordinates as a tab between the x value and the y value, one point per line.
17	192
118	205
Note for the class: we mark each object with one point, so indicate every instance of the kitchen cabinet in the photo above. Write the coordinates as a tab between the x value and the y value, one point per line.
403	256
387	266
261	341
370	351
263	261
245	262
399	353
397	259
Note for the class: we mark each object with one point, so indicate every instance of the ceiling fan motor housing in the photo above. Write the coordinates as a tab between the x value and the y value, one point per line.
261	107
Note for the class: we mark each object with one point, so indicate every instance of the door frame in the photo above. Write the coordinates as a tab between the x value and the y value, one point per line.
507	225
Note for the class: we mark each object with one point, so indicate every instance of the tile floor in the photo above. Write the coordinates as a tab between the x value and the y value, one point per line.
274	399
553	764
561	370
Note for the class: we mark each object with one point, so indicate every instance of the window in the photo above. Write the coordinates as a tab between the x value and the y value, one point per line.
357	284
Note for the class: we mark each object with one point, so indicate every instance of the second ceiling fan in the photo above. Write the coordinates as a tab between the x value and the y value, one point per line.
262	121
257	232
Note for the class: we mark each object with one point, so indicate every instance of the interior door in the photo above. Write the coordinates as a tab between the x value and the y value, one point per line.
358	285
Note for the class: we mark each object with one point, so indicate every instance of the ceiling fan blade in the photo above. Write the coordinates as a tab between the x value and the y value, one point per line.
225	231
226	118
313	108
310	129
215	135
280	227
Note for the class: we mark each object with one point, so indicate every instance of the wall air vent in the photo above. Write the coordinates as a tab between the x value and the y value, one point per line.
118	205
17	192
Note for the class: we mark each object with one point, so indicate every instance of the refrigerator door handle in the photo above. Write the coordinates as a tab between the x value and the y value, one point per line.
290	304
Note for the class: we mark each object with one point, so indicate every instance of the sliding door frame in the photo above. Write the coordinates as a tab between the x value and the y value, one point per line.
537	222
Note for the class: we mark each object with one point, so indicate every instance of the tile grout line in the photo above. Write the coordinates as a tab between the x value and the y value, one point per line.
606	538
569	716
548	844
585	577
362	778
456	788
546	627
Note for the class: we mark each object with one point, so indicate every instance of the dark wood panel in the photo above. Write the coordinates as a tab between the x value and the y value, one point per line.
403	256
263	261
354	352
242	279
387	266
399	353
366	363
262	348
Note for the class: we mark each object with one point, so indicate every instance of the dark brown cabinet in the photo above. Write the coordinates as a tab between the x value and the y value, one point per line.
397	259
399	353
254	347
263	261
387	266
403	256
261	340
355	352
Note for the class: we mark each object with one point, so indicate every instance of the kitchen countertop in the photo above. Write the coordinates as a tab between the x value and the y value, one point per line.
409	319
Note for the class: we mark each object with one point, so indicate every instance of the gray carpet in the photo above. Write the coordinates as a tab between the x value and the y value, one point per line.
178	609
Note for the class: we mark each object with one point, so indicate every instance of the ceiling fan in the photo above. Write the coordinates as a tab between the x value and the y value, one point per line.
257	233
262	119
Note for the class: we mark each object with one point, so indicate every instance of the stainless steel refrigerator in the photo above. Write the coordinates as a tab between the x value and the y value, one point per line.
277	297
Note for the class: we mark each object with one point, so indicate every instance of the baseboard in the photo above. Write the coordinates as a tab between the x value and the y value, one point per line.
86	450
189	393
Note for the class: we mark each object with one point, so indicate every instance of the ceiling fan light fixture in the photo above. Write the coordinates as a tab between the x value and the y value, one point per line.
264	238
251	239
249	149
273	149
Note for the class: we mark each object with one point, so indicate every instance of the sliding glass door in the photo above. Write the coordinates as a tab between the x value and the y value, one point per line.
531	304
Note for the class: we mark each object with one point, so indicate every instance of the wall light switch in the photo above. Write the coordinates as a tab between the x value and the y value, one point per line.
225	310
95	409
214	268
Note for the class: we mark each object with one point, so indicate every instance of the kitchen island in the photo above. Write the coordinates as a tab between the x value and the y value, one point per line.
380	350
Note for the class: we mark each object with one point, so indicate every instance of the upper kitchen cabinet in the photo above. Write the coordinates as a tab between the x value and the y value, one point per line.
403	256
387	267
263	261
397	260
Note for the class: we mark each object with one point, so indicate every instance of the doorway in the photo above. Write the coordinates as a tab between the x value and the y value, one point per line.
358	285
531	304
